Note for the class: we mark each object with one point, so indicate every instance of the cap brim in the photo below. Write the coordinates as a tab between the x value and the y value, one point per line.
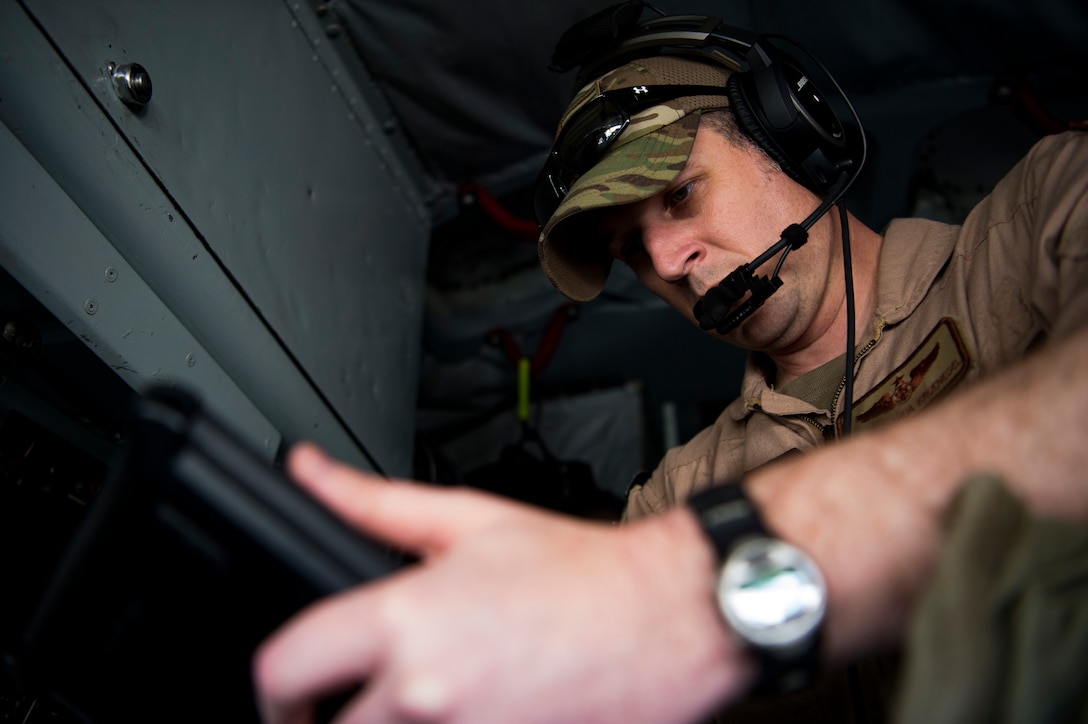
635	171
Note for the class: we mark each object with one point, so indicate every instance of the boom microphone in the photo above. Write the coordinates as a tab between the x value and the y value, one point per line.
715	310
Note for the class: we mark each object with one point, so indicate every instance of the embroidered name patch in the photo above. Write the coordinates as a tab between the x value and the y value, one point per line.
935	367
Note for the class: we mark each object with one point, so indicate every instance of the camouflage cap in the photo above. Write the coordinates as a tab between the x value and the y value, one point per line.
644	160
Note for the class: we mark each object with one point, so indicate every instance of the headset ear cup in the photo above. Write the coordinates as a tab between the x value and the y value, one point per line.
746	119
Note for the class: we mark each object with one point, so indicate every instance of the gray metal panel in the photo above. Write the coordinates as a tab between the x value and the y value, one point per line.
57	255
263	147
63	128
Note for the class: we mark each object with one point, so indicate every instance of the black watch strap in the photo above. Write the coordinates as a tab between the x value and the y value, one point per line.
726	515
781	676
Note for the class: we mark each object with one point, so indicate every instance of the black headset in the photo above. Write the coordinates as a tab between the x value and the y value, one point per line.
776	97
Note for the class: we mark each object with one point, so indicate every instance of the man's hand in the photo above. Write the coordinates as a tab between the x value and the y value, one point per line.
512	614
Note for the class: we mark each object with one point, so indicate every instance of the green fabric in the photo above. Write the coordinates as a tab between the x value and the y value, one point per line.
1002	633
820	386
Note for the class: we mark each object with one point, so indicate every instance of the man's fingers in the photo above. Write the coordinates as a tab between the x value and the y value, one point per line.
412	517
310	658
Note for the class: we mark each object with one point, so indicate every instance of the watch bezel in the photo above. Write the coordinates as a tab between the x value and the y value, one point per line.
752	559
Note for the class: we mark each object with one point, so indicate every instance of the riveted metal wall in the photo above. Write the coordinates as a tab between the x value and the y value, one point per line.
255	197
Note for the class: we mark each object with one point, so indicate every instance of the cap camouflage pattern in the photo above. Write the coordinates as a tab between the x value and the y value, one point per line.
643	161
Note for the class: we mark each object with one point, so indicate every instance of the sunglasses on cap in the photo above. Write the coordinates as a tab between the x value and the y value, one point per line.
588	135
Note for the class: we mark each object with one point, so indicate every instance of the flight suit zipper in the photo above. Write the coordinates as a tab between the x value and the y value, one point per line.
827	431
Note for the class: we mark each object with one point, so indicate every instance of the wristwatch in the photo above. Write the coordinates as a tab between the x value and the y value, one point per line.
771	593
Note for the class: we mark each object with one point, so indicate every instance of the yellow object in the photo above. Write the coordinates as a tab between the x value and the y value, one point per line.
523	389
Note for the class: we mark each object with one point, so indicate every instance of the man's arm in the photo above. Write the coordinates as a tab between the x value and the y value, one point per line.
520	615
870	509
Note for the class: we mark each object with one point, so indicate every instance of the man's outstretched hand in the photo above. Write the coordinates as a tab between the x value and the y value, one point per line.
511	614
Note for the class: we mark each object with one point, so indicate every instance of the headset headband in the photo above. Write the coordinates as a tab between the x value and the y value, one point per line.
814	138
698	36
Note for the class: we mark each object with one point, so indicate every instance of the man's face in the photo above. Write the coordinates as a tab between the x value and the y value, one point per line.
726	207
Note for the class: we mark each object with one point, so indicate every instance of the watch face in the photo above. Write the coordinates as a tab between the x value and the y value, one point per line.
771	593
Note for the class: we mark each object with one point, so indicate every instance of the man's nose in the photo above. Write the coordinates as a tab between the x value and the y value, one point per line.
673	252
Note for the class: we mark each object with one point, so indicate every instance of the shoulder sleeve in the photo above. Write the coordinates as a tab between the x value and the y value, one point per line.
1060	169
1025	247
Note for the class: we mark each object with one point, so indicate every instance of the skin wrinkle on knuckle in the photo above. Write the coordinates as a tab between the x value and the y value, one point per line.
423	697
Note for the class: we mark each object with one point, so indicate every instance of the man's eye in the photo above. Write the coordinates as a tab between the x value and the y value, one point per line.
680	194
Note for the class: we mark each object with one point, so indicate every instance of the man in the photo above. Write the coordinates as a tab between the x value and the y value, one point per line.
937	307
518	615
925	327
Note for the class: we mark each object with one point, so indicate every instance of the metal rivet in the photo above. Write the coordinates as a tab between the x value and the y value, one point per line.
111	274
91	306
190	360
132	83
